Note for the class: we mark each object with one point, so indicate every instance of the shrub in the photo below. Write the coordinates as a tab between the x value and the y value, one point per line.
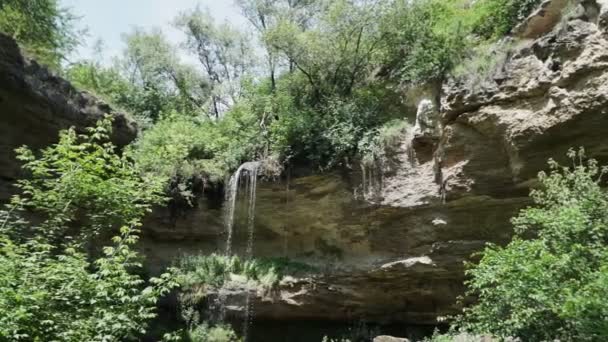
205	333
214	270
41	27
550	281
50	288
483	63
200	274
378	143
496	18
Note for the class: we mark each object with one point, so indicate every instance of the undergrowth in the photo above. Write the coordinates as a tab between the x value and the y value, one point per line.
213	271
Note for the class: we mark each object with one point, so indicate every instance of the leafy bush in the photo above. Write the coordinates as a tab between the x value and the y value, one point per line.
550	281
483	62
425	38
42	27
378	143
496	18
181	148
214	270
50	288
82	179
205	333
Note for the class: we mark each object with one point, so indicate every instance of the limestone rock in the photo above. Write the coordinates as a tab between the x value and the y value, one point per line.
35	104
543	20
399	258
555	97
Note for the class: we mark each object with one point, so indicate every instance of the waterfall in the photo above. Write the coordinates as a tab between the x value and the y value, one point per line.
251	187
250	169
248	172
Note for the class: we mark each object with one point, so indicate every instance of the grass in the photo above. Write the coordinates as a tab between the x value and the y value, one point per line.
378	143
483	63
214	270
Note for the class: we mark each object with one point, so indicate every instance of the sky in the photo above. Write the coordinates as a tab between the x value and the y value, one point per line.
108	19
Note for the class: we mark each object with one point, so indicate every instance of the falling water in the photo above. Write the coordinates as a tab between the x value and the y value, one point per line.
248	173
250	169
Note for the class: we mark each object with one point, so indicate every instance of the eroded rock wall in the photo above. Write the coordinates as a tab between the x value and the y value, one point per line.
35	105
400	260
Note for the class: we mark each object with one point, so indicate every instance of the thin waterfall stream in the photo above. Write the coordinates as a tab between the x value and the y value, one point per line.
244	177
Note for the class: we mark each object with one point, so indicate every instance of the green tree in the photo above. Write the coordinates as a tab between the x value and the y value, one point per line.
336	52
224	53
151	64
148	80
51	289
42	27
496	18
550	282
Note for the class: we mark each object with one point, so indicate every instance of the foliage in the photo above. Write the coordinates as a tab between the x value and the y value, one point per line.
496	18
424	39
334	54
180	148
214	270
483	62
51	289
550	281
462	337
336	71
205	333
149	81
82	179
376	144
106	83
224	53
42	27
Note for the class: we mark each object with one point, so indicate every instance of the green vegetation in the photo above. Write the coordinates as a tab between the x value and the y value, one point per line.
51	286
42	27
213	271
206	333
200	274
550	282
378	143
327	92
329	80
496	18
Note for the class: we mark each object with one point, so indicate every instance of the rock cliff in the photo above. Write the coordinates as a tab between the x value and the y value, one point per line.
399	258
35	104
463	170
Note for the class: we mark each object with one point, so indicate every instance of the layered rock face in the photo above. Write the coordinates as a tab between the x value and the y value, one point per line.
400	257
35	105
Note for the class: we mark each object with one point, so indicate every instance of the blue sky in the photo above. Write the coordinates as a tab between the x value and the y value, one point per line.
108	19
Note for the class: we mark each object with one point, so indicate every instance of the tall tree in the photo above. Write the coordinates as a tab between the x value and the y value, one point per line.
42	27
262	14
225	53
332	45
151	63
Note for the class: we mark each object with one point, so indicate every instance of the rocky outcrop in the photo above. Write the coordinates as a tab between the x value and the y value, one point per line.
400	258
554	96
35	104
